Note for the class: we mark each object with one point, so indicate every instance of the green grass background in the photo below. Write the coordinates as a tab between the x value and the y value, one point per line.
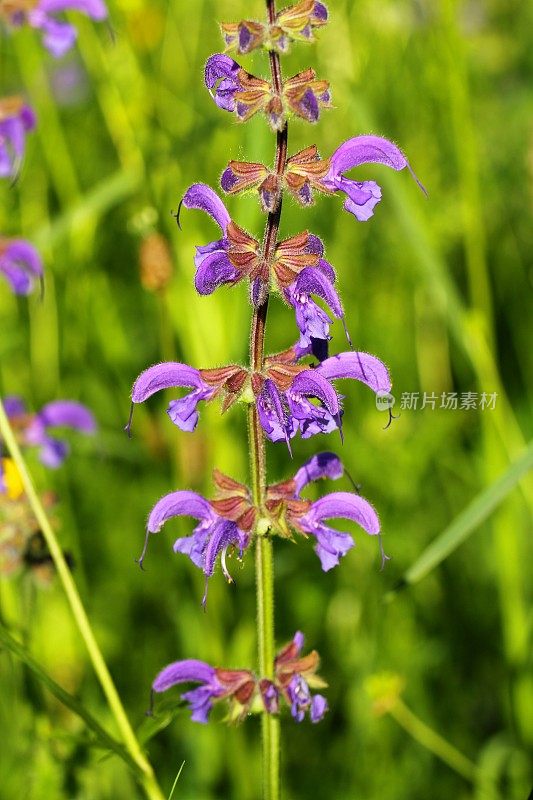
439	289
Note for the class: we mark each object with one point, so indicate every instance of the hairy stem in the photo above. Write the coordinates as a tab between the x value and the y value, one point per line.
147	778
264	561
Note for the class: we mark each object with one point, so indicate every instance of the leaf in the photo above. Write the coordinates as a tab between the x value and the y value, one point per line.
102	737
467	522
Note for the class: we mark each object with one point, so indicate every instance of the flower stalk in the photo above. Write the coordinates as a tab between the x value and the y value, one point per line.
264	556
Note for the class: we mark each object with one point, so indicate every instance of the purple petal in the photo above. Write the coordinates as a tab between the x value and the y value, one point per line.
179	504
19	280
25	254
331	546
194	546
272	414
308	106
362	197
214	270
298	639
222	70
167	375
186	671
28	118
313	280
58	37
53	453
322	465
14	406
320	12
95	9
314	245
346	505
319	706
67	412
183	412
361	366
310	419
200	702
311	383
202	197
366	150
223	534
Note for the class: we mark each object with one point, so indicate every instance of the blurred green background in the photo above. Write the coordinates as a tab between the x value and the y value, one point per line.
439	289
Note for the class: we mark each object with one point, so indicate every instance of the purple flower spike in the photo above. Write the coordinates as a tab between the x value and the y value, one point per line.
363	196
192	671
332	544
16	120
169	375
58	36
20	264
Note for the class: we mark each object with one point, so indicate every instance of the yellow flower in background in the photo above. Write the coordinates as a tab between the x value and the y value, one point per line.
11	479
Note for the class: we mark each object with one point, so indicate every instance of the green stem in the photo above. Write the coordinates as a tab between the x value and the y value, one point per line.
147	780
264	562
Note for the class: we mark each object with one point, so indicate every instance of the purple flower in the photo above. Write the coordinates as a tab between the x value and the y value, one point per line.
16	119
213	261
200	700
282	393
363	196
213	536
284	501
285	409
312	320
34	428
236	91
294	23
172	374
332	544
20	264
58	36
296	675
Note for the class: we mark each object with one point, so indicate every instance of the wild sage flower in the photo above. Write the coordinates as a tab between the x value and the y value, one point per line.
225	523
295	676
282	392
33	429
295	23
235	90
20	264
16	119
289	511
306	171
58	35
299	269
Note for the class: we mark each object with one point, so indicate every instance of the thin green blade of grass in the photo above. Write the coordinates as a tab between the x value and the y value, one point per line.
102	737
467	522
171	795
